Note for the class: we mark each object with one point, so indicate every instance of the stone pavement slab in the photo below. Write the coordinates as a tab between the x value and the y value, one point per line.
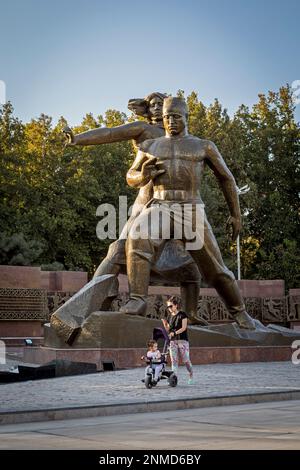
272	425
125	387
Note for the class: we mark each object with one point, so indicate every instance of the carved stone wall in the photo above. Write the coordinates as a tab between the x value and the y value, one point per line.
294	308
23	304
213	310
55	299
38	304
275	310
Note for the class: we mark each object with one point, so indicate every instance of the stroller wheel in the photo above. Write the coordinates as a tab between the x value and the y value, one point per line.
148	381
173	380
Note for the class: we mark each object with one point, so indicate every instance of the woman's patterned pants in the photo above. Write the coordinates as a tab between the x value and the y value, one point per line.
180	349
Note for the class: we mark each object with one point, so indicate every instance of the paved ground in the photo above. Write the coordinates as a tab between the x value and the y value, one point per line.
260	426
126	387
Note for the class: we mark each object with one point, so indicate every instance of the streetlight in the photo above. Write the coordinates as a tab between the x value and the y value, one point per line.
240	191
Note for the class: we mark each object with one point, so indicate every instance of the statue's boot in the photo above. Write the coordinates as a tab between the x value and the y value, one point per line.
197	320
189	297
244	320
227	288
134	306
138	272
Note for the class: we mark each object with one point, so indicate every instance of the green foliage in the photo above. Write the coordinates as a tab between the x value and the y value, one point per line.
55	266
262	148
16	250
49	193
282	262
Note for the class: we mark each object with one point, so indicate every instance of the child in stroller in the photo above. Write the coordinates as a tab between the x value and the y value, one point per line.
156	361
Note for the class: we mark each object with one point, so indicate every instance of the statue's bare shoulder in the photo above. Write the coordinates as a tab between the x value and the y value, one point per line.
150	144
202	144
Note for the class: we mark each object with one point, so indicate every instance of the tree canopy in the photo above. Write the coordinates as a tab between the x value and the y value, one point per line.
49	193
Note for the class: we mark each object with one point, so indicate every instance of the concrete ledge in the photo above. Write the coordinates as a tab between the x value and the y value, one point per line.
14	417
19	341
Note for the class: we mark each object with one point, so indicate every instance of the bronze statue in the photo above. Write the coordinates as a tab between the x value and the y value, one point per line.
175	164
175	264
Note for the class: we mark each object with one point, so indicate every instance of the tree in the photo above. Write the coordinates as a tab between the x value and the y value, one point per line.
49	193
12	185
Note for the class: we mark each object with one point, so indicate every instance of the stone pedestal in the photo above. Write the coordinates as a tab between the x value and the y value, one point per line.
113	336
117	330
107	330
131	357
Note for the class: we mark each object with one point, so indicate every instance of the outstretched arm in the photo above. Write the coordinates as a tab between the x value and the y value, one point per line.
227	182
106	135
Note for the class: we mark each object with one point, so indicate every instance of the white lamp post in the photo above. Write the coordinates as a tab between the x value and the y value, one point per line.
240	191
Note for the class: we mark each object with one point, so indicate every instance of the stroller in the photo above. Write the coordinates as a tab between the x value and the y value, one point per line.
160	333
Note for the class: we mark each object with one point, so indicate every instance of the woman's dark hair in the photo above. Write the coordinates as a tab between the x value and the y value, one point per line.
140	106
175	300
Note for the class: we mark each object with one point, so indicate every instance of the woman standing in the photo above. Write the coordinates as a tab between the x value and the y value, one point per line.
179	343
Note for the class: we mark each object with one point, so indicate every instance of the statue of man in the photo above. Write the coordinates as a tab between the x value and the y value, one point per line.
177	263
180	159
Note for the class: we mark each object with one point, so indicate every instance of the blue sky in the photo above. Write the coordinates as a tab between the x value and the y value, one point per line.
70	57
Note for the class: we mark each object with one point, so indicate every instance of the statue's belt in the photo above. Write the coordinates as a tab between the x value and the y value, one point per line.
176	195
